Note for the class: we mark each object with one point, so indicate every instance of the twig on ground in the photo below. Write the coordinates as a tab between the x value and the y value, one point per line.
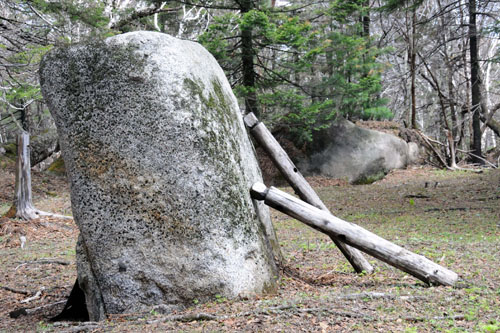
16	291
417	196
377	295
32	298
24	312
33	310
416	319
81	327
46	214
485	161
43	261
428	141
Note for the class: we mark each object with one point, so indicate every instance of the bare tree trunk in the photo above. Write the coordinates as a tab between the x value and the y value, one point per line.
465	112
413	70
365	19
247	61
475	85
23	204
434	82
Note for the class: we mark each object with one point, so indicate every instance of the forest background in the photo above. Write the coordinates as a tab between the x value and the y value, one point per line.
429	65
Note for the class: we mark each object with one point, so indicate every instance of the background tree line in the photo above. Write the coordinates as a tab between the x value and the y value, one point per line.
432	65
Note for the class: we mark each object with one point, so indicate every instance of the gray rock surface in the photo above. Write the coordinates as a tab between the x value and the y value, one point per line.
43	145
160	167
357	154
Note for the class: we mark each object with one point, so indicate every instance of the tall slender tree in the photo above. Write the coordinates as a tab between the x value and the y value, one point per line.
475	84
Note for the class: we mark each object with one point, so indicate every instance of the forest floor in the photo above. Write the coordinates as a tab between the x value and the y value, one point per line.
452	218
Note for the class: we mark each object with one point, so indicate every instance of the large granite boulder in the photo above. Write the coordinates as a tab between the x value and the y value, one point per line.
356	154
160	167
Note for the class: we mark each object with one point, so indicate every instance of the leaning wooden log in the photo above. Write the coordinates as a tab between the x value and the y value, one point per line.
287	168
364	240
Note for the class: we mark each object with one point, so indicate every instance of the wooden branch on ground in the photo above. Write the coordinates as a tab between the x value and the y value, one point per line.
364	240
43	262
34	297
287	168
58	216
378	295
24	311
434	150
81	327
16	291
417	319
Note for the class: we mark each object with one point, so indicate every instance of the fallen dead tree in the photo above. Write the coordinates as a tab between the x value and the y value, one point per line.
355	236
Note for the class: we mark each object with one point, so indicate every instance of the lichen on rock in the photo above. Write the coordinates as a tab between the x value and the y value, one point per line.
359	155
160	168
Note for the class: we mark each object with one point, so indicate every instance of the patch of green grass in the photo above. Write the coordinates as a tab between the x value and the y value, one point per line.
490	327
4	208
443	173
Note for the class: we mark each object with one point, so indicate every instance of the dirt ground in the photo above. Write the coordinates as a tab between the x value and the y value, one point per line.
452	218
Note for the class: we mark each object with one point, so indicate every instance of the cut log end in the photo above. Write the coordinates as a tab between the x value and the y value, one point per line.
250	120
259	191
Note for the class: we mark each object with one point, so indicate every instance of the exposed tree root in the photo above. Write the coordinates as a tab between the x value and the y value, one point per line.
32	213
23	206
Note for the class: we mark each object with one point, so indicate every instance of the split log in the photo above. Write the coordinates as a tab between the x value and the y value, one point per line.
364	240
287	168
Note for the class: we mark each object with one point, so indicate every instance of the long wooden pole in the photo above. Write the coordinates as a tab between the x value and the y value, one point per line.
362	239
287	168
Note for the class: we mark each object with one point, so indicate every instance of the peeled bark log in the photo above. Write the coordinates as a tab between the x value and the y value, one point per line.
280	158
364	240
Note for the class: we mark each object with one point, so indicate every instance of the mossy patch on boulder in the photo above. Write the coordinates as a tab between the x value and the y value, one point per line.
160	167
10	150
57	167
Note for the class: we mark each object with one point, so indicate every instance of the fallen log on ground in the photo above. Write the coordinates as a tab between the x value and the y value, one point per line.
287	168
364	240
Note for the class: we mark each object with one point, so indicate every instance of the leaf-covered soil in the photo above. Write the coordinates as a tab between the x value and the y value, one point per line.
452	218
